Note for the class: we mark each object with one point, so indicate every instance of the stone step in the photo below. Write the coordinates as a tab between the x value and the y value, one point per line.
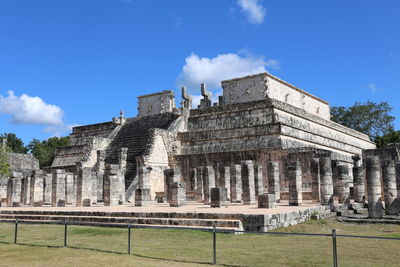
172	215
223	229
363	211
220	223
356	206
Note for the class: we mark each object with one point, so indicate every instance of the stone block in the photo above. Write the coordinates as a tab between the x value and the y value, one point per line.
266	201
219	197
86	202
142	197
178	194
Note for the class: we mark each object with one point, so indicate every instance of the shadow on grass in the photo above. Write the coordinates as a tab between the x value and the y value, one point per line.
116	253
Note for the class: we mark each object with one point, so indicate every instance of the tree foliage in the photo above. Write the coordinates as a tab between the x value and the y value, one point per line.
389	138
14	143
45	151
370	118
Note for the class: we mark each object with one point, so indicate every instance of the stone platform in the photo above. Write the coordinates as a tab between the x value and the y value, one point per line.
193	215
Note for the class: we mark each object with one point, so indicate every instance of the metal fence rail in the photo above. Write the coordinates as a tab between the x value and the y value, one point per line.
213	230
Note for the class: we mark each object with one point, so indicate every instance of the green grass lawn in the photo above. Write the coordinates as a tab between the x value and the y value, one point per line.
41	245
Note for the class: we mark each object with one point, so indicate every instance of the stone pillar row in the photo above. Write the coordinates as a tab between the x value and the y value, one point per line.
241	183
84	187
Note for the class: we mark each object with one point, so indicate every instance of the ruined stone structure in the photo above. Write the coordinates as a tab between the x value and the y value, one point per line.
265	141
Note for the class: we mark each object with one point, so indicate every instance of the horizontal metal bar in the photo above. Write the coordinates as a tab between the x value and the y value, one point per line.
142	226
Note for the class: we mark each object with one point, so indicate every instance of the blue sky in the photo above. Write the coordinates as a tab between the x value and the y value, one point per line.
77	62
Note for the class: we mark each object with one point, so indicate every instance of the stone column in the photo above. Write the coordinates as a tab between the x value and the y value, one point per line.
16	188
48	188
58	190
249	196
3	188
171	175
258	180
111	187
199	186
69	188
274	180
236	183
390	189
193	179
295	183
178	194
218	197
122	157
326	180
93	189
83	186
208	182
100	165
142	193
25	192
375	207
316	180
359	184
36	197
227	179
398	178
343	184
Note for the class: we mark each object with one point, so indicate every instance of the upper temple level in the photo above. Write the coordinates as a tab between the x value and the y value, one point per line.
264	85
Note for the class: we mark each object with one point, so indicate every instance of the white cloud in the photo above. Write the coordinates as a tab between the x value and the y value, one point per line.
373	87
26	109
254	11
212	71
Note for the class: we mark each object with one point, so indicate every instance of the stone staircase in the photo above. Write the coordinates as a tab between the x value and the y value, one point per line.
155	219
135	134
353	210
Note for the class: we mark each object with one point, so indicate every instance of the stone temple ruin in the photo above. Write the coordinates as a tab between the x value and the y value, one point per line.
264	142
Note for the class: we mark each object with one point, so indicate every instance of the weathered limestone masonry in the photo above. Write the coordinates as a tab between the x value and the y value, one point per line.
69	188
16	189
295	178
316	179
326	181
100	166
274	180
343	184
236	183
172	175
375	207
390	189
265	140
36	189
359	185
58	190
398	178
249	195
266	201
219	197
142	193
258	180
111	185
208	182
84	186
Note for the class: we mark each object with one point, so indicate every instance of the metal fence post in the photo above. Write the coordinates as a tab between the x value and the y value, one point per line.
16	231
214	246
334	248
129	238
65	232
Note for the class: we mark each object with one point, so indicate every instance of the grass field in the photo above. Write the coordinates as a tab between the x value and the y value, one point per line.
41	245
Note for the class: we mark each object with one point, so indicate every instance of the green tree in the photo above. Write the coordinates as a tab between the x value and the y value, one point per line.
370	118
15	144
4	165
45	151
391	137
